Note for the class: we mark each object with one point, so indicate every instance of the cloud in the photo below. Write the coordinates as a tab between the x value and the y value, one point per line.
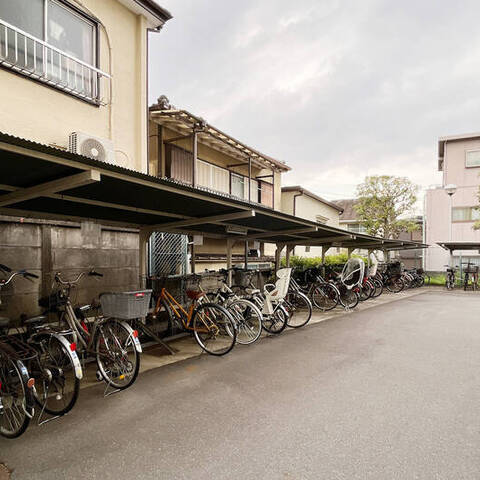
337	89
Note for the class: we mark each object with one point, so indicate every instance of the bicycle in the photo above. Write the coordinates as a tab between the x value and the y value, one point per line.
212	325
274	318
450	278
246	314
470	277
52	361
112	342
17	404
323	295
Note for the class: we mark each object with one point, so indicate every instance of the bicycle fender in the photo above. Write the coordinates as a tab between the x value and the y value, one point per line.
73	355
136	341
28	394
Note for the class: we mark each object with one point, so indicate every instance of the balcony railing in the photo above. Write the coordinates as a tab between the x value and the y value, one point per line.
30	56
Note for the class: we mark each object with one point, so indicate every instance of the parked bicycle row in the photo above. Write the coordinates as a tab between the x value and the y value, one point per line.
43	360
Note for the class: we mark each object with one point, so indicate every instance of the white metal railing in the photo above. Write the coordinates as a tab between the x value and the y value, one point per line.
35	58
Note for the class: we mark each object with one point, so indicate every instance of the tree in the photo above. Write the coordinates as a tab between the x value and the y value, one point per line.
384	201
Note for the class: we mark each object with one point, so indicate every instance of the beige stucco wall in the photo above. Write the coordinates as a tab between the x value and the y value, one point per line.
36	112
308	208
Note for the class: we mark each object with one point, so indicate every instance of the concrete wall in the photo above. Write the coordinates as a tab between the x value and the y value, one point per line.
44	248
29	113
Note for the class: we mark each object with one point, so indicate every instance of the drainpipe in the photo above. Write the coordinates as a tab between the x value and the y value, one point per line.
295	210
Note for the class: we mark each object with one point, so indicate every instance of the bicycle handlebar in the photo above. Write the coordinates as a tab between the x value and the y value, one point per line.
5	268
91	273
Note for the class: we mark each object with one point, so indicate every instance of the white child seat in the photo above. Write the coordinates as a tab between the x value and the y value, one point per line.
279	292
353	272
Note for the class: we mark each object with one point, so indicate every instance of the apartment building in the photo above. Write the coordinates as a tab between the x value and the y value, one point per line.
73	76
299	201
451	208
184	147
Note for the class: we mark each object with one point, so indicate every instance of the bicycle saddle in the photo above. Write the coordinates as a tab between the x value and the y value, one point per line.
252	291
35	320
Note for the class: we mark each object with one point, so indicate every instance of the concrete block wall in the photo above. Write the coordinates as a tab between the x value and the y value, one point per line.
46	248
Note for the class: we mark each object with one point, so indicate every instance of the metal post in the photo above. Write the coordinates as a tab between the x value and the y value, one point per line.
249	179
287	257
278	253
143	237
192	257
230	242
194	159
350	251
246	254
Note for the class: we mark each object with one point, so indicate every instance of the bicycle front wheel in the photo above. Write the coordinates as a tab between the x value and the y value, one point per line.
349	298
57	387
117	358
15	400
325	297
248	319
214	329
299	309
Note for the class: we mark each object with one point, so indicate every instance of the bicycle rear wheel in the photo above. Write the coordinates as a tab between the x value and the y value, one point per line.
349	298
277	321
248	319
117	358
56	385
214	329
325	297
395	284
299	309
378	284
366	291
15	400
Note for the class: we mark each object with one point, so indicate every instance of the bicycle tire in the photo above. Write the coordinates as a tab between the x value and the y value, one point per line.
366	291
11	377
276	323
53	366
378	284
325	297
113	372
297	303
395	284
248	331
207	323
349	299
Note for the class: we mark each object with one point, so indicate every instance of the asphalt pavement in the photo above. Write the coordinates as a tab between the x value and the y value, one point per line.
392	392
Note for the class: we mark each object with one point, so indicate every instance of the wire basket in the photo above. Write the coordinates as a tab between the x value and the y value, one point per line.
471	269
126	305
395	268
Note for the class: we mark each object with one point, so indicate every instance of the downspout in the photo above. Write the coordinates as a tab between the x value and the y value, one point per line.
295	210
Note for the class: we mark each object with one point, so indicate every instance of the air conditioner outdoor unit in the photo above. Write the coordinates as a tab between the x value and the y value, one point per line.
92	147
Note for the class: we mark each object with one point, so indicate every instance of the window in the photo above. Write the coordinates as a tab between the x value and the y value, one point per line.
472	158
239	185
465	214
356	228
50	41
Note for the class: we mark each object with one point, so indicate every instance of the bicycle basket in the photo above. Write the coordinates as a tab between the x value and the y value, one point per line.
126	305
395	268
471	269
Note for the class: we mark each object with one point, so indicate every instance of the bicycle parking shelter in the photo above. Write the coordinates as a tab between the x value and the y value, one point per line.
39	181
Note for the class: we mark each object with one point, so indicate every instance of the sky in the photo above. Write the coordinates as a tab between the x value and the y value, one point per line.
338	89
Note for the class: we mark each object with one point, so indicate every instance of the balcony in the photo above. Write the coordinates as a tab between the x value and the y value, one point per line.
36	59
179	166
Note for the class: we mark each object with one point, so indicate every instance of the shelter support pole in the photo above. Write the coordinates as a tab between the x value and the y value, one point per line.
250	179
325	249
230	243
350	251
143	238
278	253
192	257
288	252
246	254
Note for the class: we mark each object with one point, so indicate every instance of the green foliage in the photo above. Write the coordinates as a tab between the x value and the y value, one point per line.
307	262
382	201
